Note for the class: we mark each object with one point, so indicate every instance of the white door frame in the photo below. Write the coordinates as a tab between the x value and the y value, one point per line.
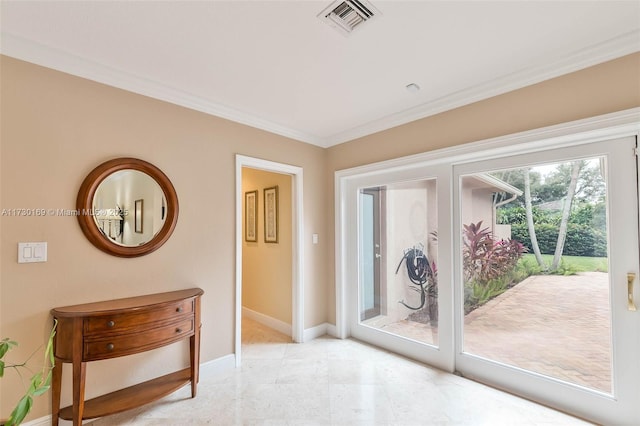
297	318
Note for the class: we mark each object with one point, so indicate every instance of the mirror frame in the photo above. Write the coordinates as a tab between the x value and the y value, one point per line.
84	205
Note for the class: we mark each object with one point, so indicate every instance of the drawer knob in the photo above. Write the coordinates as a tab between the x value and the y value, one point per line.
111	324
178	330
179	309
110	347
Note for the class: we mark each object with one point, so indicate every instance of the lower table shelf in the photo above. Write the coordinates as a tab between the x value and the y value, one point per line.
131	397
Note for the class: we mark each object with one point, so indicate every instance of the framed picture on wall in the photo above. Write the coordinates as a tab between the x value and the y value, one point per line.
271	215
251	216
139	209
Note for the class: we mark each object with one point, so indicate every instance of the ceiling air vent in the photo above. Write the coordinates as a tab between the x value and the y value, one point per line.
346	15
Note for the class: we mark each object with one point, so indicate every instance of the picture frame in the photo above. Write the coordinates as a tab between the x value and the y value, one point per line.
271	215
137	214
251	216
113	231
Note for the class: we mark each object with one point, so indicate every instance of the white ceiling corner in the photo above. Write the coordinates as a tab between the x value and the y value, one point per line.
274	66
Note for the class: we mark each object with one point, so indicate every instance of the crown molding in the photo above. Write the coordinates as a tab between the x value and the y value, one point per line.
59	60
29	51
611	49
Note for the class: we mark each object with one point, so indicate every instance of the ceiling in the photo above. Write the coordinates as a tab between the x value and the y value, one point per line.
276	66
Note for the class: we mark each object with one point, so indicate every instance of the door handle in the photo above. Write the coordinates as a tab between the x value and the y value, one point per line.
631	277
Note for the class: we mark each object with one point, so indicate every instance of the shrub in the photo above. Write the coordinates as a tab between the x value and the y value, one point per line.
477	294
489	265
527	267
582	240
517	215
486	258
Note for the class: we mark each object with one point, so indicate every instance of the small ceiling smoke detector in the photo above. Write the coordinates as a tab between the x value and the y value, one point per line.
346	15
412	87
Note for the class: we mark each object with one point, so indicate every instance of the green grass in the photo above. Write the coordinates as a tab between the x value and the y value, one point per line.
572	263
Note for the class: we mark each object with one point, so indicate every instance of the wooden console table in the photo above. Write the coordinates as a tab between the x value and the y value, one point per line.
115	328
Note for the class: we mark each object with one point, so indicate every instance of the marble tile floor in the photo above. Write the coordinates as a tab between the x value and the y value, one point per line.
334	382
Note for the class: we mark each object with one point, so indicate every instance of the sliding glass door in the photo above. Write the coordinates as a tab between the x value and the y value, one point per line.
396	265
519	270
399	281
548	250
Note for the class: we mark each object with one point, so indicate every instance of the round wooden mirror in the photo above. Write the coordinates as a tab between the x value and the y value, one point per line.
127	207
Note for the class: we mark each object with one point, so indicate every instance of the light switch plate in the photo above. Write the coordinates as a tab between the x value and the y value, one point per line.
32	252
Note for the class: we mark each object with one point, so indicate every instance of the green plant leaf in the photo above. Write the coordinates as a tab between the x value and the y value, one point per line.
50	354
41	390
42	385
47	382
40	382
20	412
5	345
36	379
49	350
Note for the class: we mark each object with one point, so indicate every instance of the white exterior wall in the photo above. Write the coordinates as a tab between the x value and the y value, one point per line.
411	217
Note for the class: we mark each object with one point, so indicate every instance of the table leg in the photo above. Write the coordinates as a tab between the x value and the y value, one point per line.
79	375
56	385
194	346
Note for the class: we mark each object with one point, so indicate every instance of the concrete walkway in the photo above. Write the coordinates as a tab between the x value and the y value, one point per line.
554	325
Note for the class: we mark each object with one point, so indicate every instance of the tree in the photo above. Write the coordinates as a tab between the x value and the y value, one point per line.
590	188
566	211
530	224
515	178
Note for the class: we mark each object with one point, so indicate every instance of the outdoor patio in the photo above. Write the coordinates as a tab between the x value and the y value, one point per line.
553	325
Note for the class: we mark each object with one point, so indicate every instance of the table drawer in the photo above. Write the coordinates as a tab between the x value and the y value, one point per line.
125	344
139	319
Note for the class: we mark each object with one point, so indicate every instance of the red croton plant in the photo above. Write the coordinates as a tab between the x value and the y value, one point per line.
485	257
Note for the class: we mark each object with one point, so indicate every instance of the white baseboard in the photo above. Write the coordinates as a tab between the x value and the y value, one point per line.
42	421
319	331
284	328
314	332
332	330
270	322
218	365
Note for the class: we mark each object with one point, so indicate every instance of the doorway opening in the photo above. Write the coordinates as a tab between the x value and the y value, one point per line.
269	222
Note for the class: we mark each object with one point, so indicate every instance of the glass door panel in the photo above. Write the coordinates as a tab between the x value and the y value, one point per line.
545	247
370	259
399	260
535	269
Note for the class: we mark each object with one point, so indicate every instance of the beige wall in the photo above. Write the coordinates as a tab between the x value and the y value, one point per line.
608	87
266	267
476	205
55	128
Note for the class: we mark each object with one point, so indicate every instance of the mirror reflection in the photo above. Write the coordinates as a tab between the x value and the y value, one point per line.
129	208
